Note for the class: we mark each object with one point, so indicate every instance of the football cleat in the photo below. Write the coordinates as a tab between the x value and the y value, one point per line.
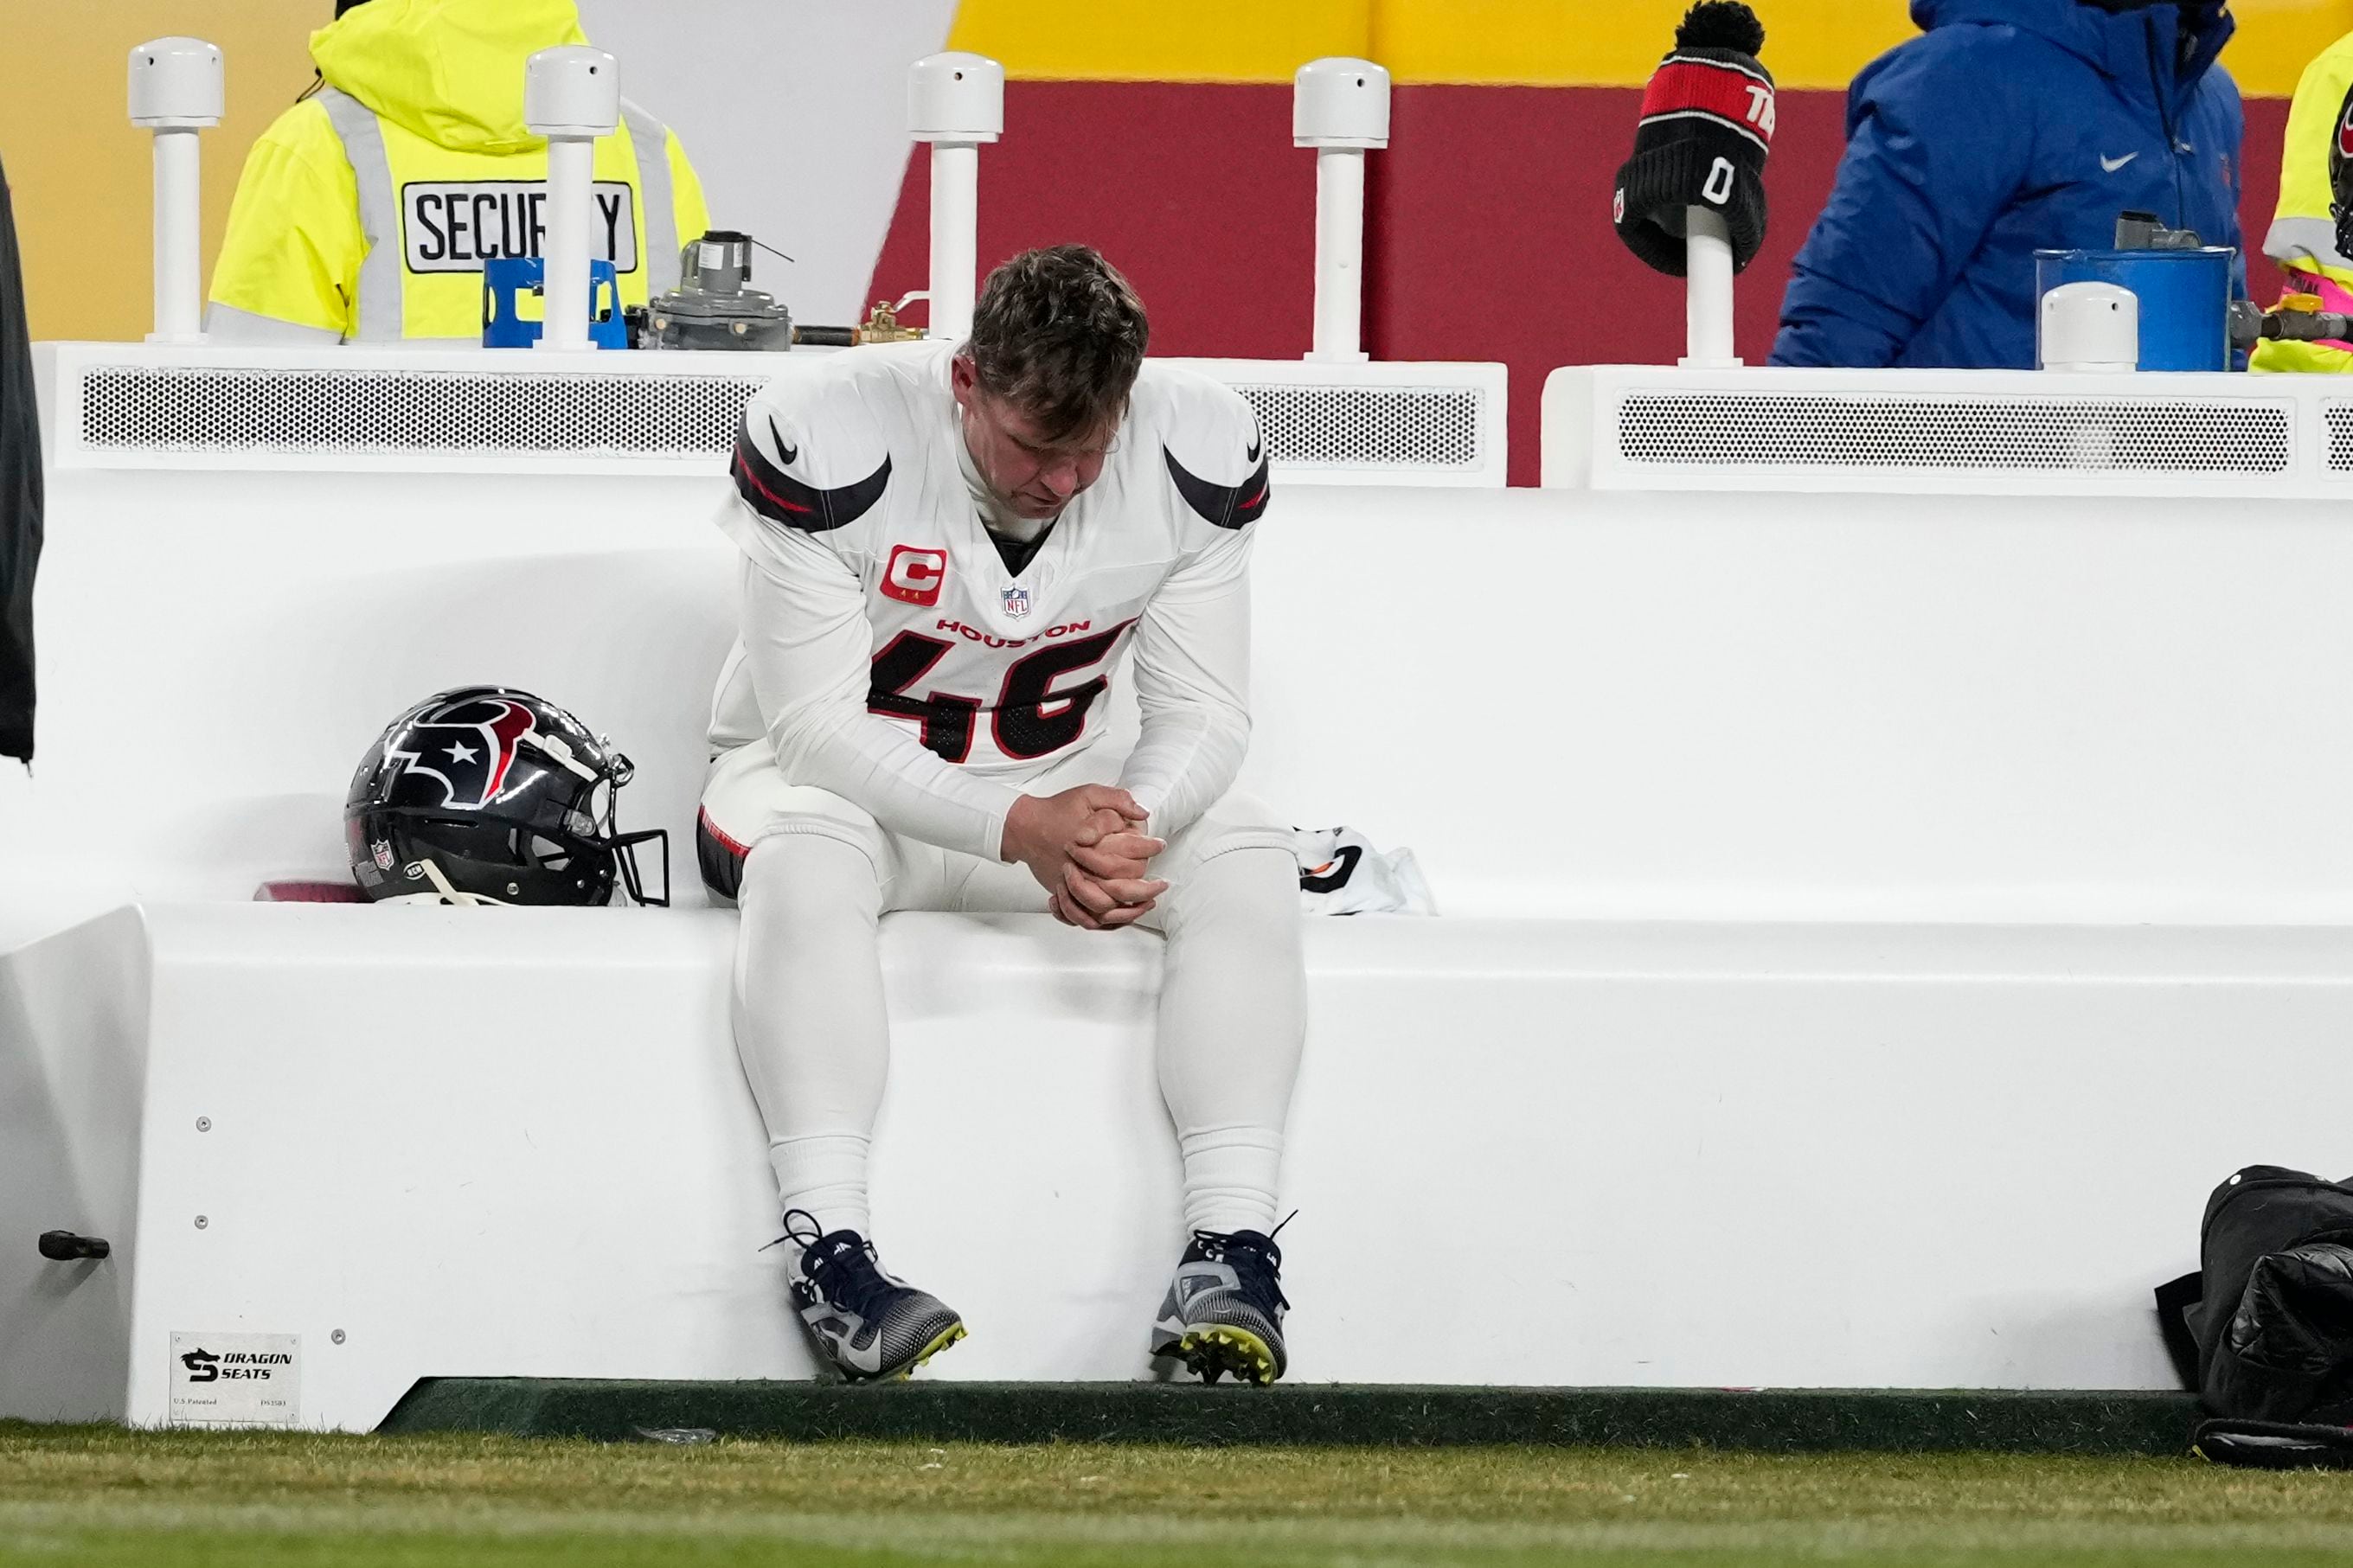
869	1325
1224	1309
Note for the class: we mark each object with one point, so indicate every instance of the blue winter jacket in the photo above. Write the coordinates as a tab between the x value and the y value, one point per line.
2010	126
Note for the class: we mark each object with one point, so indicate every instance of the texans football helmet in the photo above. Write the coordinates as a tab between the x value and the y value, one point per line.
485	794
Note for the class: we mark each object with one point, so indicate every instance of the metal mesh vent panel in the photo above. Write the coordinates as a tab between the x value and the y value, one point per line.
1369	426
1782	429
2339	418
246	410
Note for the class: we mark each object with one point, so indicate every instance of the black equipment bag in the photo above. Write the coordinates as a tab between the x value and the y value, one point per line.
2263	1332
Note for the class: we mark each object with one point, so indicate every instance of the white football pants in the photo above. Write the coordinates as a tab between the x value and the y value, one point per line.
814	1036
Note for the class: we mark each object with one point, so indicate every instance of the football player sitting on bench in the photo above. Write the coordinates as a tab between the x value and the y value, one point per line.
950	551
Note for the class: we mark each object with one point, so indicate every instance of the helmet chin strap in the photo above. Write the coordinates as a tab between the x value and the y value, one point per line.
450	895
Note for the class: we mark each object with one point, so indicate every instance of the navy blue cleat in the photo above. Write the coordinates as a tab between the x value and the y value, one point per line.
868	1326
1224	1309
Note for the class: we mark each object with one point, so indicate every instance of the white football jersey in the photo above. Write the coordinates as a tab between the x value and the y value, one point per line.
853	476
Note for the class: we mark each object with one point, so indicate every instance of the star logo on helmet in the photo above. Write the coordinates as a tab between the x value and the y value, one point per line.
466	748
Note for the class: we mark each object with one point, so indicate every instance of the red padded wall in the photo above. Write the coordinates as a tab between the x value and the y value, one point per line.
1488	220
1192	189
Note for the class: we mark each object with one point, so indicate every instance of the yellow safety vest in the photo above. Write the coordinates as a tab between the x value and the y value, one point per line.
364	213
2303	237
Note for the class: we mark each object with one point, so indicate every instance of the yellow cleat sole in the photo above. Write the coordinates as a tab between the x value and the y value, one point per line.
1210	1352
946	1337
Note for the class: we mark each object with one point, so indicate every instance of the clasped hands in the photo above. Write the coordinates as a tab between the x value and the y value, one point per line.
1088	849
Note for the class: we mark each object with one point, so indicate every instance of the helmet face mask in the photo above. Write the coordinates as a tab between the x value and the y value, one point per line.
486	795
624	847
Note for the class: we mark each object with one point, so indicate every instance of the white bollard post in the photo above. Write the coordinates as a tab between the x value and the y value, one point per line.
956	237
1339	254
177	88
570	95
956	102
1340	107
1707	289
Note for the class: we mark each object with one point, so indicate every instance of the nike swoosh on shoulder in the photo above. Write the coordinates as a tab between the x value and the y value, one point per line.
789	454
2111	165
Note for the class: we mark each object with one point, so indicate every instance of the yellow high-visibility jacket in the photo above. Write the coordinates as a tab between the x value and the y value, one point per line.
2303	237
364	213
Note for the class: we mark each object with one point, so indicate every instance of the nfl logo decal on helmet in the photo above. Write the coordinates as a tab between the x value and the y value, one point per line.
486	795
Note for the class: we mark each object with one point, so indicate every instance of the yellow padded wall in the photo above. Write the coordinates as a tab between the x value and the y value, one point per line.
1160	40
78	172
1599	43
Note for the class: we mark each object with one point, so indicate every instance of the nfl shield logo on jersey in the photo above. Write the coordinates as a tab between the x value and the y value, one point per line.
1016	601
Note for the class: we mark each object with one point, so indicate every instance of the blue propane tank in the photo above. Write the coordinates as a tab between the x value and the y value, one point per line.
2185	297
507	279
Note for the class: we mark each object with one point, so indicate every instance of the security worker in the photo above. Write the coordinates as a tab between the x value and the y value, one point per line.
2303	237
365	212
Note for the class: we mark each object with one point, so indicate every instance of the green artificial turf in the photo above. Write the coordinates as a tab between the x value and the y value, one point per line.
87	1495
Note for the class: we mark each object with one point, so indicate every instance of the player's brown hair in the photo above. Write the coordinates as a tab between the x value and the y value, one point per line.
1058	333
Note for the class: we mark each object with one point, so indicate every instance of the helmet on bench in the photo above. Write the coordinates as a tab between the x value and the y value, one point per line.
486	795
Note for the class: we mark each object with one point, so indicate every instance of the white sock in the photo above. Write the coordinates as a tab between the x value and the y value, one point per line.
825	1176
809	1020
1232	1012
1229	1177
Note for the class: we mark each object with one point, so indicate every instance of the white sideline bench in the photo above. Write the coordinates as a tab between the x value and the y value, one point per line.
1523	1151
1851	906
